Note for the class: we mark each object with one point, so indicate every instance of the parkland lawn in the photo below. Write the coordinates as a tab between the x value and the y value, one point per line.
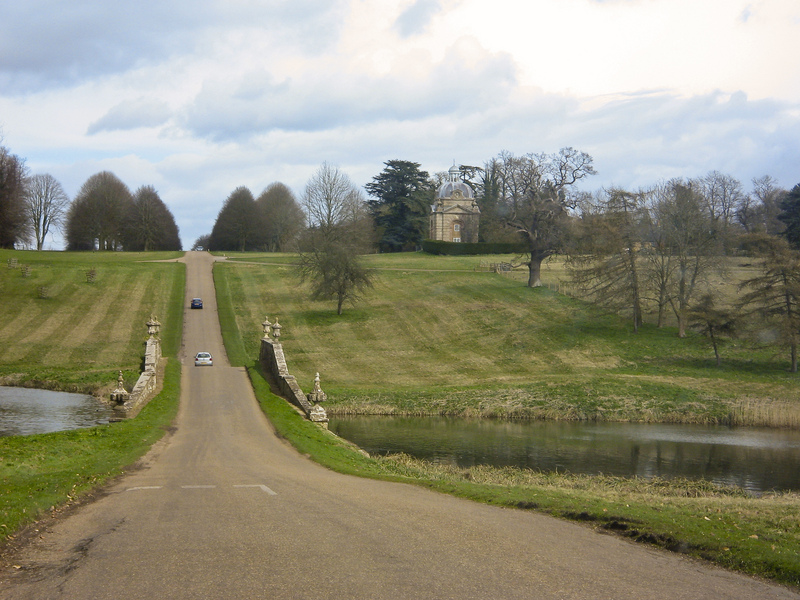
435	336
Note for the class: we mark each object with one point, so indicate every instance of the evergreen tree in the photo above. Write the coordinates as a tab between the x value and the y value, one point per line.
401	204
790	216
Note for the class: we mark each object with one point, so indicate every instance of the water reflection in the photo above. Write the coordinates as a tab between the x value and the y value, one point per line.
755	459
25	411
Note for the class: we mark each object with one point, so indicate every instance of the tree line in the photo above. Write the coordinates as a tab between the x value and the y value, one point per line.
104	215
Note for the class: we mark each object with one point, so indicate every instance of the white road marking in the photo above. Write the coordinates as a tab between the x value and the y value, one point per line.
198	487
263	488
144	487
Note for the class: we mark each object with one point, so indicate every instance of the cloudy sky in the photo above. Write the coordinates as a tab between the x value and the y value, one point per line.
199	97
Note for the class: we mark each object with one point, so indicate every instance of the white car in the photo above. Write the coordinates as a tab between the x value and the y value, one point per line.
203	358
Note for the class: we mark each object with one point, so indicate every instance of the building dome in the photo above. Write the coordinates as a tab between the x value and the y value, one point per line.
453	185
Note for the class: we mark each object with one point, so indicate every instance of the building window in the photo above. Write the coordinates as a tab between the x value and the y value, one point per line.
456	227
456	239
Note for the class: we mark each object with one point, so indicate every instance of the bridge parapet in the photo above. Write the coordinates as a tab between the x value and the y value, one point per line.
272	358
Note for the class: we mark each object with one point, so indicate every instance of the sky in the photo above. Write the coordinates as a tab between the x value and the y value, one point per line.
199	97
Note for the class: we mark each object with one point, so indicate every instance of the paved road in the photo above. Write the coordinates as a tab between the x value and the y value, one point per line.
224	509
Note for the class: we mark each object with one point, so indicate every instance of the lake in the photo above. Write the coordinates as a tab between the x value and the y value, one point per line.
756	459
25	411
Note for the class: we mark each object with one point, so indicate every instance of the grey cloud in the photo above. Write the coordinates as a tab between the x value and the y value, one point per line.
416	17
259	105
132	114
51	43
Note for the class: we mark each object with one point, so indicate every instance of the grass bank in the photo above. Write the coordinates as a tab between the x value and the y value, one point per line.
758	536
77	339
436	336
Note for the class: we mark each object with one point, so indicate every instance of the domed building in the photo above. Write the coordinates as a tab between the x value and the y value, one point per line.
455	215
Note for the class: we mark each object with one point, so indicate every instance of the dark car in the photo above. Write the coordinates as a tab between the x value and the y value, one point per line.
196	303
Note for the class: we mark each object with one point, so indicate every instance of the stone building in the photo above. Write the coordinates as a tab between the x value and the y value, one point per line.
455	215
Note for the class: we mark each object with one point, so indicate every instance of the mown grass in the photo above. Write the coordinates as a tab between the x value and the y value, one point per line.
437	337
557	358
81	334
77	339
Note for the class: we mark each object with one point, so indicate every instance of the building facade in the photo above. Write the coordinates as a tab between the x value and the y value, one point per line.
455	215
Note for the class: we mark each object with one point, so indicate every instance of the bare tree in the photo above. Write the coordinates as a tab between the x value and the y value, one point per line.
758	212
690	240
722	195
46	205
535	189
330	248
330	199
334	271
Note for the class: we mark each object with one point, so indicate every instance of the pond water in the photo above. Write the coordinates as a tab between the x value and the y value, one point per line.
753	458
25	411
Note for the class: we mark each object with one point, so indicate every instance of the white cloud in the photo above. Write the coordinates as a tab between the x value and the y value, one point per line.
199	98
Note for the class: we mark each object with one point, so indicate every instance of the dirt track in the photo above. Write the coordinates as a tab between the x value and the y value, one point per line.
224	509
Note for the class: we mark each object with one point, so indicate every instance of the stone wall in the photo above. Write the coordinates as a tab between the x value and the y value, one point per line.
129	404
273	360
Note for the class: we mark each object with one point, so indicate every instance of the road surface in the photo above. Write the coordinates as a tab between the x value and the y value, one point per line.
224	509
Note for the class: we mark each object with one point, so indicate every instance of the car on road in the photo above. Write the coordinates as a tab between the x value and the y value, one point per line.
203	358
196	303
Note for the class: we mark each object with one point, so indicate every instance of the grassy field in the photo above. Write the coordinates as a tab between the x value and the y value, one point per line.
82	334
77	339
437	337
548	356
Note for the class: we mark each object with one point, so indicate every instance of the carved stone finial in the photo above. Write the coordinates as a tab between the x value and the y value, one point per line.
276	329
120	395
153	326
266	325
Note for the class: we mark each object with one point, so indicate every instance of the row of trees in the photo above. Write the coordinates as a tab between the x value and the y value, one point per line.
625	247
104	215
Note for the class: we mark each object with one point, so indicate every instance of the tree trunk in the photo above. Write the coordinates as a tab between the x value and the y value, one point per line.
714	343
534	272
